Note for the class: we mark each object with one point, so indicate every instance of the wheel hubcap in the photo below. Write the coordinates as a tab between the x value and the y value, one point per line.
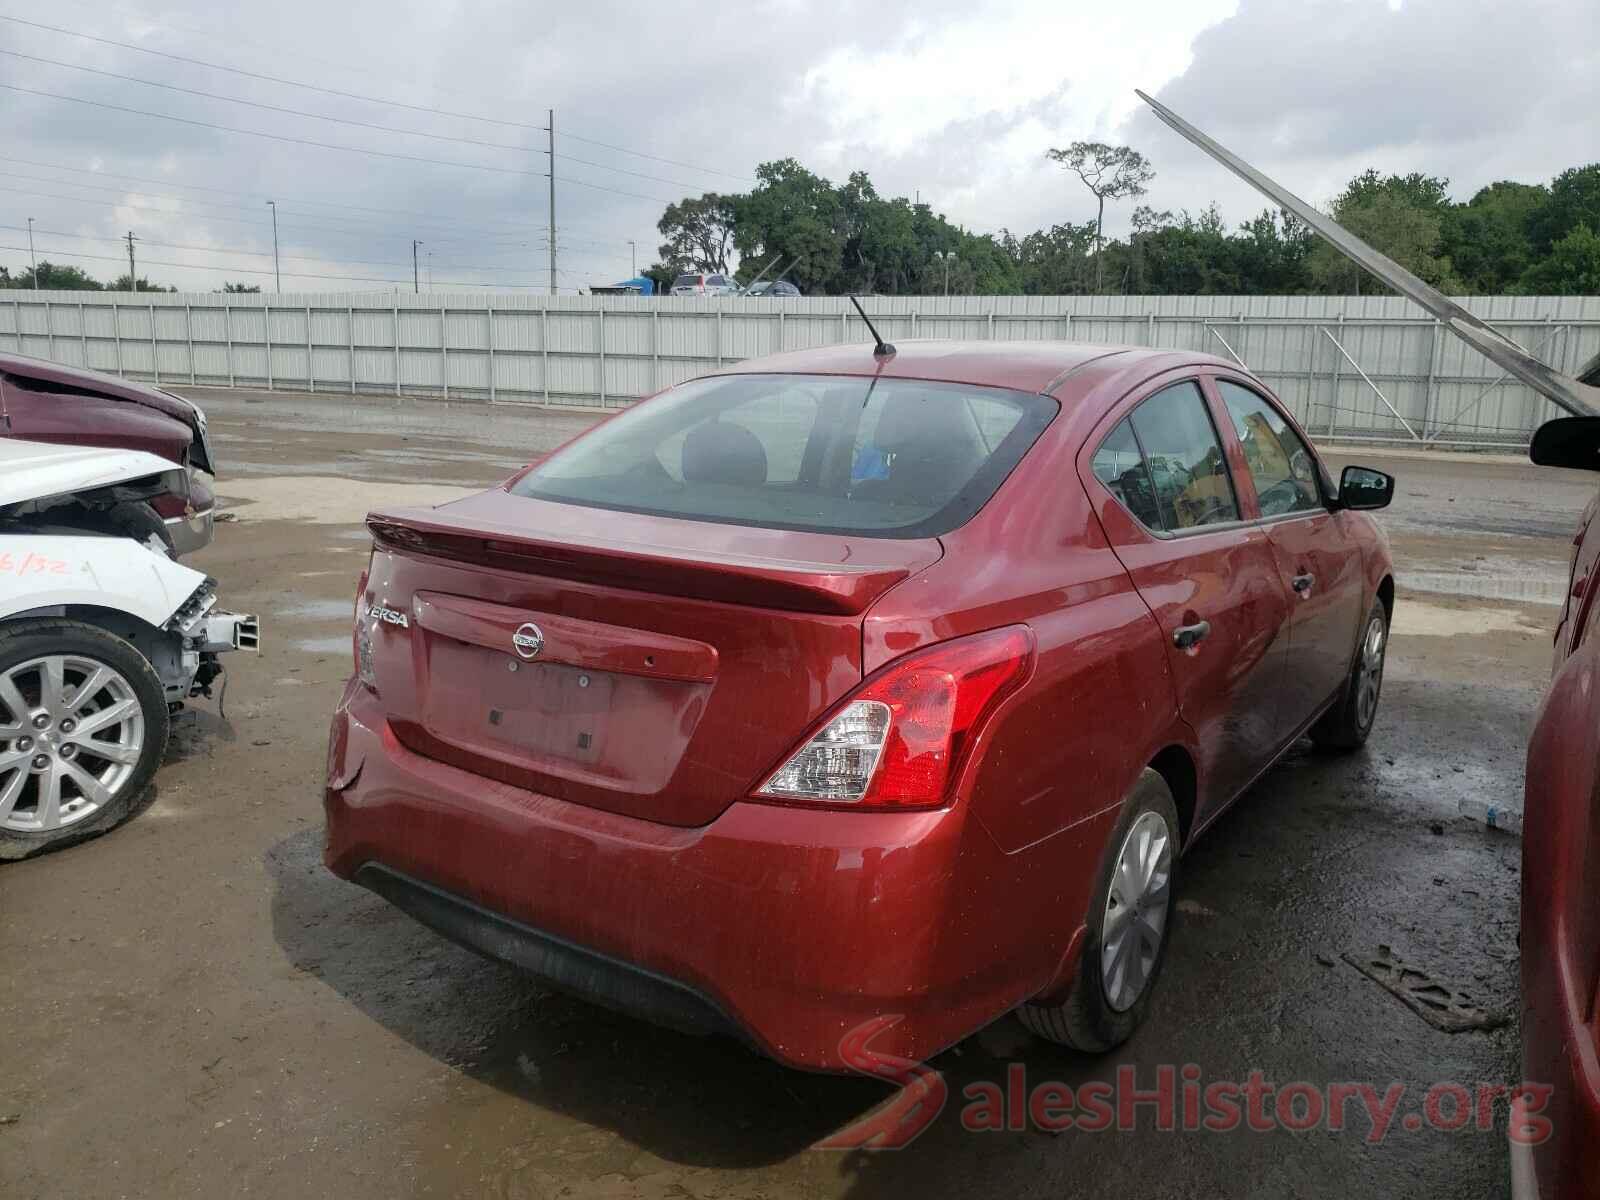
1369	674
71	734
1136	911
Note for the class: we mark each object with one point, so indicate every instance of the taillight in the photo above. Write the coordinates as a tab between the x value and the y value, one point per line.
899	740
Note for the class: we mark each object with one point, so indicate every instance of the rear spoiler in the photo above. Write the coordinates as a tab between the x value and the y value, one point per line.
829	588
1579	396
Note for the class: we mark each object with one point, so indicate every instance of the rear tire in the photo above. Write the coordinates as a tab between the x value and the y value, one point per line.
1348	723
56	678
1105	1002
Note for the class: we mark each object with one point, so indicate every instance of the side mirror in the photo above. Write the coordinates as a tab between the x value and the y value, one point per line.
1363	488
1567	442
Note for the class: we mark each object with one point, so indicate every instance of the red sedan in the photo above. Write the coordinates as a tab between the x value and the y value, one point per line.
1561	871
850	684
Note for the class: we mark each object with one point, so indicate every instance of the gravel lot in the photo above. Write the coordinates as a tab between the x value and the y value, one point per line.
193	1004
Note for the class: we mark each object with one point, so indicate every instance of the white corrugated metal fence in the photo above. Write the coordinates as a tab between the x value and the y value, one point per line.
1352	367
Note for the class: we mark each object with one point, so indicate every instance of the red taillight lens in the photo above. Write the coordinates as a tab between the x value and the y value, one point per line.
898	741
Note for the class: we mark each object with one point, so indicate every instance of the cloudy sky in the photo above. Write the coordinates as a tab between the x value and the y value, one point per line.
931	98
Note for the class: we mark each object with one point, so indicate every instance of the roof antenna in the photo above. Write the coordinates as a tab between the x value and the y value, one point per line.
883	349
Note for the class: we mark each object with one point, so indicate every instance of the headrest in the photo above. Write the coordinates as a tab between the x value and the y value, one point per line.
722	452
911	421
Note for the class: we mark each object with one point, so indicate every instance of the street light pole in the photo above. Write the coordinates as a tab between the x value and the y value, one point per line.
31	259
415	286
277	279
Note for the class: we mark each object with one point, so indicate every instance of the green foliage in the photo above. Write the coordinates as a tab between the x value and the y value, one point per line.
51	278
125	283
699	233
240	288
1486	239
1574	200
1571	269
1393	223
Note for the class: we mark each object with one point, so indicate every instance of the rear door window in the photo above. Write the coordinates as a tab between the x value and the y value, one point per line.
825	454
1121	467
1188	473
1281	465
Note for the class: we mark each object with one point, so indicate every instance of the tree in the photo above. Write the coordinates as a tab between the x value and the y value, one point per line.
1398	216
699	232
796	216
1571	269
1574	200
53	278
125	283
240	288
1111	173
1487	239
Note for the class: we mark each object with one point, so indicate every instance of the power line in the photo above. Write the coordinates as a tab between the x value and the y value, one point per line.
280	137
509	227
299	112
449	235
442	112
359	262
226	270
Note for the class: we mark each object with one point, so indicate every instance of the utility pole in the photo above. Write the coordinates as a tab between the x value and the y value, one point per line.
133	274
415	286
31	259
277	280
550	128
430	270
633	252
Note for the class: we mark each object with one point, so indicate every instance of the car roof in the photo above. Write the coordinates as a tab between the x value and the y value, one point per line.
1025	366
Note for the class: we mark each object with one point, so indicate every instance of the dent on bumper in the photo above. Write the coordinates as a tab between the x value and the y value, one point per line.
790	926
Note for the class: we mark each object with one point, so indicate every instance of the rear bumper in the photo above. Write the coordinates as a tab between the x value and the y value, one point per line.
787	927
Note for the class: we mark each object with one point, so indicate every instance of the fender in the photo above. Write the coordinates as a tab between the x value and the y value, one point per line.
43	571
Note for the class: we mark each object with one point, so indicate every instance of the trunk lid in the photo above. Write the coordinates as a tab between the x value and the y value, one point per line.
649	666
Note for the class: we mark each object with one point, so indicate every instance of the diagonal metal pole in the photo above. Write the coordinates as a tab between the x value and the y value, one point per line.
1376	389
1216	334
1471	405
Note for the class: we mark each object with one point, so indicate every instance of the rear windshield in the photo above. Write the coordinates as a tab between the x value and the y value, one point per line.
686	281
891	458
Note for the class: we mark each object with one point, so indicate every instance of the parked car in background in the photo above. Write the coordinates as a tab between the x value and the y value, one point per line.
100	637
842	685
49	402
776	289
704	285
1561	867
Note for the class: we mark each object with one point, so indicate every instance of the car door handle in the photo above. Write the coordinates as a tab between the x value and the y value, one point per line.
1185	636
1302	583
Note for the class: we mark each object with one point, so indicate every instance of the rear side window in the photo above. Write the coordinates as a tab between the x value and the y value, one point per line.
1281	466
1119	465
823	454
1184	457
686	281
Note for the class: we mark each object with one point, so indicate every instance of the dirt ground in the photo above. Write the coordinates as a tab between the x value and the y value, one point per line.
194	1006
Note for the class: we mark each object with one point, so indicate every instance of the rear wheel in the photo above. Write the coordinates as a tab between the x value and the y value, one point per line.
1129	920
83	724
1347	724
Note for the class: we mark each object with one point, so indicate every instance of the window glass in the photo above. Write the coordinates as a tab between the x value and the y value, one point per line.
1281	466
1185	458
1119	465
829	454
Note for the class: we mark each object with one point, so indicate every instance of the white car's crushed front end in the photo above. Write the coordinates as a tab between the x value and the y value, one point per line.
165	609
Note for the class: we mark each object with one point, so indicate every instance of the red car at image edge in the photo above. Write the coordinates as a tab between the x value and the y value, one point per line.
1560	939
850	683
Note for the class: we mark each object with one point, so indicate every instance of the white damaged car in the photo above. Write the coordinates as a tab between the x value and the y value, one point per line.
102	638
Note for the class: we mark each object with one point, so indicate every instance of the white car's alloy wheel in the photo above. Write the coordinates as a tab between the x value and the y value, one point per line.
72	732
